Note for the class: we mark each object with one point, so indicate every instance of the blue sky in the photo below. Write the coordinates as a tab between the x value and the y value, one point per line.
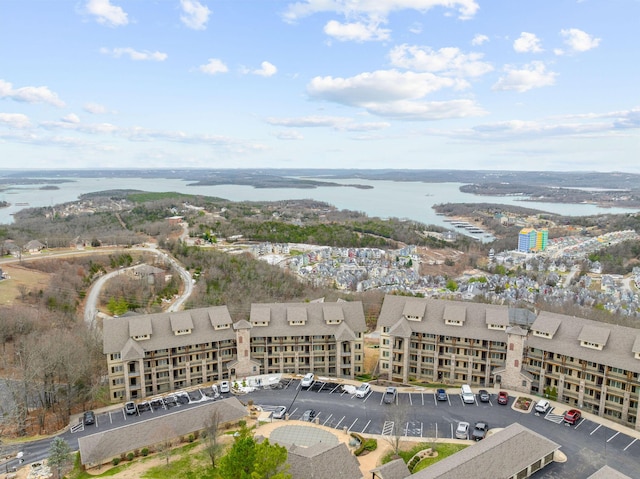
462	84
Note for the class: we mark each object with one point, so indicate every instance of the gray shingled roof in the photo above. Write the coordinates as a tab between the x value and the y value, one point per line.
499	317
494	456
101	447
323	461
606	472
594	334
636	345
396	469
547	323
401	329
314	313
181	321
116	330
455	312
414	308
333	313
140	326
617	352
475	326
260	313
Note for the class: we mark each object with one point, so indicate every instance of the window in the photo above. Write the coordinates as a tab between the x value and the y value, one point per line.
115	356
180	332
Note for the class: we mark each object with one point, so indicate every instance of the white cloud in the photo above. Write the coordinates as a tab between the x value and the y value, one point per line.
527	43
393	94
266	70
308	121
415	28
71	118
196	15
533	75
15	120
135	54
213	67
479	39
356	31
375	9
450	61
106	13
289	135
378	86
579	41
30	94
94	108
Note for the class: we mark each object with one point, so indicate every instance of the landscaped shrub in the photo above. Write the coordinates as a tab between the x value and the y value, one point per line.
191	438
145	452
365	444
115	461
130	456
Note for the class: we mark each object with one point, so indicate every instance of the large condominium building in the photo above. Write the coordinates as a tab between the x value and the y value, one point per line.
530	239
157	353
586	364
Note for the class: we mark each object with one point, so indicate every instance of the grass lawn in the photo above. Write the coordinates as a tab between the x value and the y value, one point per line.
443	449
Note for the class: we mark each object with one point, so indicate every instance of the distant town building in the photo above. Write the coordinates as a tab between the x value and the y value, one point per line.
531	239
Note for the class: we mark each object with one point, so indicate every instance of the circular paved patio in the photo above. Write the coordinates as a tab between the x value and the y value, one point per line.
303	436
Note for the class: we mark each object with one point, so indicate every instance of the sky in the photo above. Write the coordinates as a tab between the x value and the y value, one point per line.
549	85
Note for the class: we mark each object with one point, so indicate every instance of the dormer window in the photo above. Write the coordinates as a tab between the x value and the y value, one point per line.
591	345
333	321
637	355
497	327
181	332
222	326
453	322
297	322
541	334
141	337
260	323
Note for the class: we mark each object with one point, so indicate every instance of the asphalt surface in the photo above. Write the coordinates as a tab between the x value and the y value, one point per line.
588	445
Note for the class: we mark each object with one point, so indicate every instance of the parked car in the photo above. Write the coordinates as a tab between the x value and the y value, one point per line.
462	431
279	412
542	406
307	380
479	431
503	398
484	395
441	395
363	390
390	395
130	408
170	401
308	415
89	418
572	416
225	387
467	394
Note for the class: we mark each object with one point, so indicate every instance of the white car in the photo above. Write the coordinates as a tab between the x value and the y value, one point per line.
542	406
462	431
224	387
307	380
279	412
363	390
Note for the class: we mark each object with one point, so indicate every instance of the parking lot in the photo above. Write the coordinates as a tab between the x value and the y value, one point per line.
421	414
587	444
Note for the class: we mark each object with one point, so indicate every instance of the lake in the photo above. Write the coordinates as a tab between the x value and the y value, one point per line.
411	200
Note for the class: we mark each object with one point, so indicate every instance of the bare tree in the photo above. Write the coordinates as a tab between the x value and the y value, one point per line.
395	422
213	446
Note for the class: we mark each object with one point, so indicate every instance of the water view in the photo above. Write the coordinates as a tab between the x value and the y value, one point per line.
410	200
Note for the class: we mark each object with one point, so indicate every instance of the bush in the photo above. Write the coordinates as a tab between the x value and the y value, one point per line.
145	452
191	438
115	461
365	444
130	456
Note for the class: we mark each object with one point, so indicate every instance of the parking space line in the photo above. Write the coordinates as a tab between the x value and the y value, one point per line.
325	422
630	444
381	399
451	424
365	427
422	397
421	428
435	401
333	390
436	430
340	422
293	412
352	424
406	429
583	419
599	426
613	436
368	396
410	401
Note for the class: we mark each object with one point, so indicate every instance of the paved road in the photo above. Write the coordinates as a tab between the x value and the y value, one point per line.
588	445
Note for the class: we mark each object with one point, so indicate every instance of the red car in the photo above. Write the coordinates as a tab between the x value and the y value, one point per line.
572	416
503	397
